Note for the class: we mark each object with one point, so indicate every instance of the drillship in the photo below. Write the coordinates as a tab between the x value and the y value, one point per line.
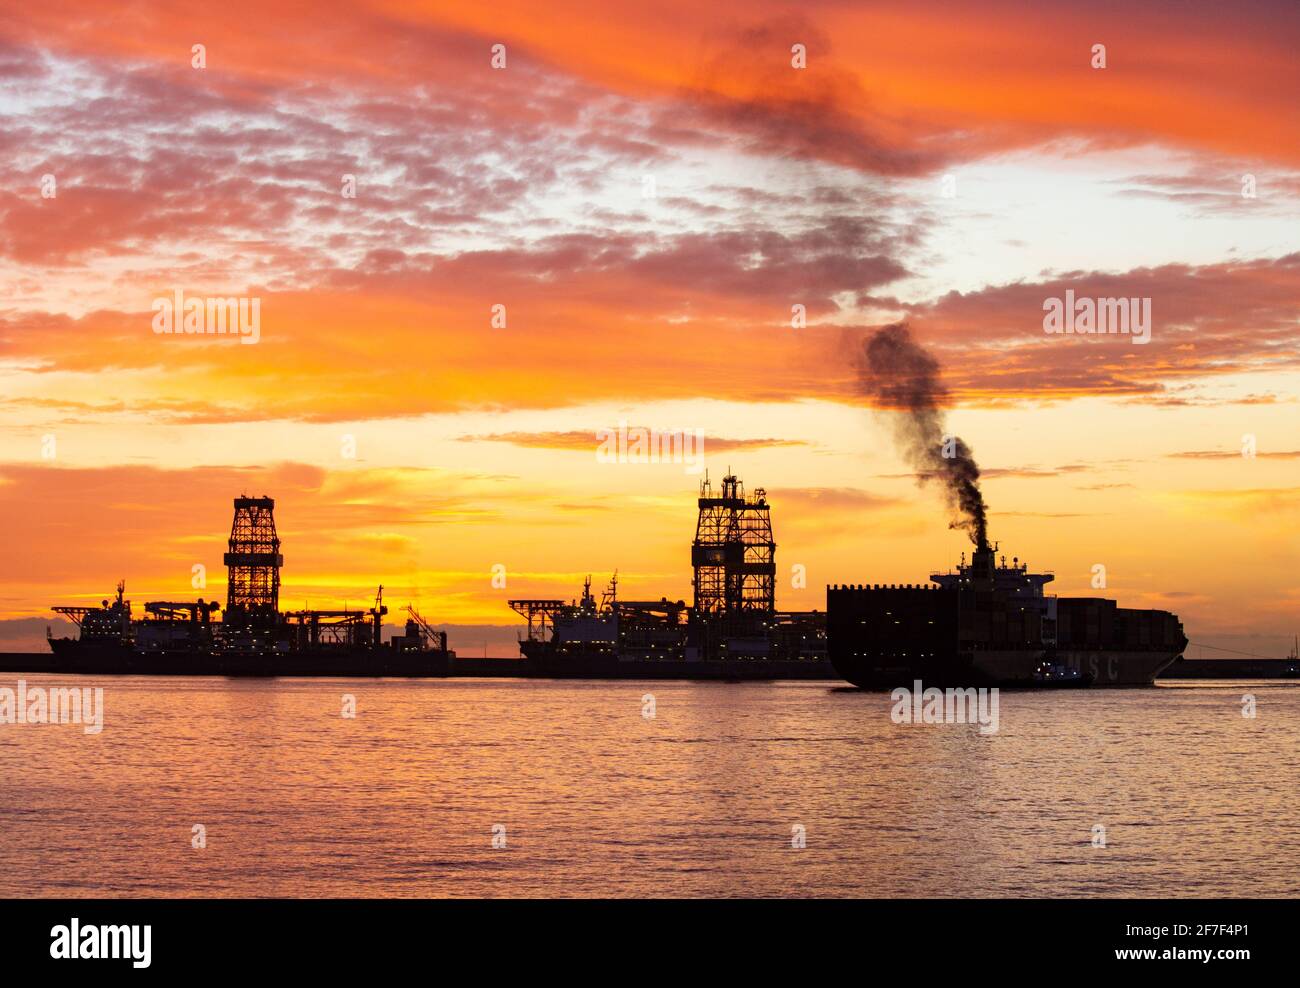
254	638
990	624
732	630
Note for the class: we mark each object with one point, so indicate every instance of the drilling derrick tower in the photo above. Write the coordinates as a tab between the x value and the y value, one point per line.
254	561
712	541
753	583
733	555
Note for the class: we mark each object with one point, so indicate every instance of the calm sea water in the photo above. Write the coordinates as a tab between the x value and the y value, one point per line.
597	800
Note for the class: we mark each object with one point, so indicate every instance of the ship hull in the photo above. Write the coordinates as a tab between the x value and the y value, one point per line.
1119	667
543	662
1012	668
73	657
110	659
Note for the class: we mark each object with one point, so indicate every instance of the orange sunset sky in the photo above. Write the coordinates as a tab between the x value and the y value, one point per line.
648	189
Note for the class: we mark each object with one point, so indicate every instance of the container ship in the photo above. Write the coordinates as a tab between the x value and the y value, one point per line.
990	624
731	630
253	638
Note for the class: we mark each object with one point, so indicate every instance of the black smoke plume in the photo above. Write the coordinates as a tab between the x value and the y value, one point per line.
898	375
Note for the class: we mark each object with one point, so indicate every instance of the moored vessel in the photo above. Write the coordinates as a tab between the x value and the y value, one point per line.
731	629
253	638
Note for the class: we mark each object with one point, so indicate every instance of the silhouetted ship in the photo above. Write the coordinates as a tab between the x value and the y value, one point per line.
254	638
617	639
732	630
992	625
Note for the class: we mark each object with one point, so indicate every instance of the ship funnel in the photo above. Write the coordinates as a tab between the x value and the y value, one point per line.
982	567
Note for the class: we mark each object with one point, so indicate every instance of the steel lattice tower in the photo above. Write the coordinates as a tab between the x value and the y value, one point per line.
751	583
254	561
733	555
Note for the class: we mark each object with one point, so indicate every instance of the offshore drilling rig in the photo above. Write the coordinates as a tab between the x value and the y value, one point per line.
254	637
732	618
